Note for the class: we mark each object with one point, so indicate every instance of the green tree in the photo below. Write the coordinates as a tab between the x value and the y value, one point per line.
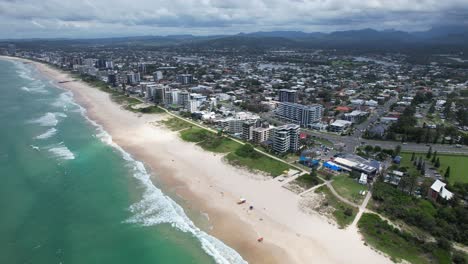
429	153
413	156
397	150
419	166
434	157
368	148
447	173
313	172
437	163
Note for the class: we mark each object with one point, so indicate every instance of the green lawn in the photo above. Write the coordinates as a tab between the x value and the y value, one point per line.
458	165
343	214
219	144
262	163
205	139
195	134
348	188
176	124
397	244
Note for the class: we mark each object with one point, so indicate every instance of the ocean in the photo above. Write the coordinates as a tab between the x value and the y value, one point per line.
68	194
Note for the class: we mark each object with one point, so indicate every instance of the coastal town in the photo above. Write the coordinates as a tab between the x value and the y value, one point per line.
375	142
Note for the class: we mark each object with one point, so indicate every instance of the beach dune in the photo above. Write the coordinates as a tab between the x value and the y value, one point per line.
210	185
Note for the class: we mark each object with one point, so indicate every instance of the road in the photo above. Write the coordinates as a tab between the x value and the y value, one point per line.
351	142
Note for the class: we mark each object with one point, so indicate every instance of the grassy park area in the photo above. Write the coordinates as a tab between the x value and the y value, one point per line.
195	134
246	156
262	163
219	144
458	165
348	188
343	214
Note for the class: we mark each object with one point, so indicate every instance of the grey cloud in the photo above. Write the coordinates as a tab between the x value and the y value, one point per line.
60	17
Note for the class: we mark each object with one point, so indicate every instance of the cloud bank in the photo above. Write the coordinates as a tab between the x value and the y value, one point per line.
103	18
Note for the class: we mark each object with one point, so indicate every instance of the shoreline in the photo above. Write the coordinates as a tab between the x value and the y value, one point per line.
209	185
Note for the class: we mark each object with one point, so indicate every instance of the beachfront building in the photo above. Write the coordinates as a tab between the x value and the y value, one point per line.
303	115
286	138
247	129
356	163
159	96
261	134
235	124
172	97
183	98
194	102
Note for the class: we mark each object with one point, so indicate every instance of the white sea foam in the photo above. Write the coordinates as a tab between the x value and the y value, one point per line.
23	71
157	208
49	133
62	152
64	100
49	119
24	88
35	89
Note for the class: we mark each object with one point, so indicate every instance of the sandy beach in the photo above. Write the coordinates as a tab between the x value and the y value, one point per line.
211	186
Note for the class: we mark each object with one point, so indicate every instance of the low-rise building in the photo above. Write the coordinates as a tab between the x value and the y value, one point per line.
438	190
340	126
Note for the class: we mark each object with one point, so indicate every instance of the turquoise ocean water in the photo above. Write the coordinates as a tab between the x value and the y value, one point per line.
70	195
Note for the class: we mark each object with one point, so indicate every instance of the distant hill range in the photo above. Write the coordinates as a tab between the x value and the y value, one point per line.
446	37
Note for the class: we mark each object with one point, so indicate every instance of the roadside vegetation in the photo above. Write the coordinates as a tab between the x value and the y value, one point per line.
400	245
343	214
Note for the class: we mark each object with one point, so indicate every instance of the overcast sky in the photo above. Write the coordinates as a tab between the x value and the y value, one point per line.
104	18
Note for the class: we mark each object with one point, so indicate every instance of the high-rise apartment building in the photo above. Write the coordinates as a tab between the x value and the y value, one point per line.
286	138
286	95
304	115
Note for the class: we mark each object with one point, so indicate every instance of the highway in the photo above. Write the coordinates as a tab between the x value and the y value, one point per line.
351	142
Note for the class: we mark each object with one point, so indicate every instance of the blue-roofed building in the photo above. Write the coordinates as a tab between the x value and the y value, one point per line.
332	166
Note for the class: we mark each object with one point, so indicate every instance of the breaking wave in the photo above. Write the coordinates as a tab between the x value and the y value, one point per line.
35	89
62	152
49	119
64	100
49	133
157	208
